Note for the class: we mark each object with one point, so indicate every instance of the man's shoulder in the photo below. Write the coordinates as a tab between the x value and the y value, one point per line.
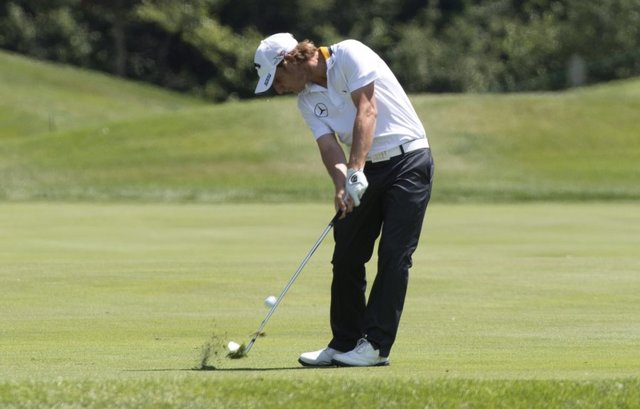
353	52
348	45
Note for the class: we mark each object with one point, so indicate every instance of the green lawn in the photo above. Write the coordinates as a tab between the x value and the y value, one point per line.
43	98
138	227
510	305
68	134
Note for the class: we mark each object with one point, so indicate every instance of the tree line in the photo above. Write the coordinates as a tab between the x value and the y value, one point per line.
205	47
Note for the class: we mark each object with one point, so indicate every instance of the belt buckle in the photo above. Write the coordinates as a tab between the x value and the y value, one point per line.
379	157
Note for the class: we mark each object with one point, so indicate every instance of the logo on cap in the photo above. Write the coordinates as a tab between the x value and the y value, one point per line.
279	57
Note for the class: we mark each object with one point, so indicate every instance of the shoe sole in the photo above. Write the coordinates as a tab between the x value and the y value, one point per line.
345	365
308	365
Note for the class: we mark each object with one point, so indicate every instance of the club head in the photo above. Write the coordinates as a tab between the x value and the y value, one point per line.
236	351
240	353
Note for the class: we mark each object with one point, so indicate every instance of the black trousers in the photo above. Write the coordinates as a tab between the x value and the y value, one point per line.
392	208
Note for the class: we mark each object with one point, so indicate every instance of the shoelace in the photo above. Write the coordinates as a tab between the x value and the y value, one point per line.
361	345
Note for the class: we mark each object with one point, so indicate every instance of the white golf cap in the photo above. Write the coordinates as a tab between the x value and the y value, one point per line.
269	54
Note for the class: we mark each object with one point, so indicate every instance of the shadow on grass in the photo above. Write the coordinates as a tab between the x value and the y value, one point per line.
215	369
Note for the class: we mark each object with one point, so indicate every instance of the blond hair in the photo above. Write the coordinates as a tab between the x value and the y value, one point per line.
303	52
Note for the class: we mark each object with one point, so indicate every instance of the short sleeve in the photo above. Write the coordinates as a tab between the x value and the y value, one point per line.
359	64
318	128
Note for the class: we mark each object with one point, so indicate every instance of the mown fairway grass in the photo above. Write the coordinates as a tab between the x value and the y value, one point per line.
109	305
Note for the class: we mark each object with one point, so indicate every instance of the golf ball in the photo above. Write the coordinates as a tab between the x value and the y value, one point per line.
233	346
270	301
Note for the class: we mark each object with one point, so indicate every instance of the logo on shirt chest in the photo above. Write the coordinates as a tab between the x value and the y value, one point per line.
321	110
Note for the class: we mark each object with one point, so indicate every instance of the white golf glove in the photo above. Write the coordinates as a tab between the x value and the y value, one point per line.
356	185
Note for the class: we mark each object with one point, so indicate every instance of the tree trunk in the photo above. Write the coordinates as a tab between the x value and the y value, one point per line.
119	40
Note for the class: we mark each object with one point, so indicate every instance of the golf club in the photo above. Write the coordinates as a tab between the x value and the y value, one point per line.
240	352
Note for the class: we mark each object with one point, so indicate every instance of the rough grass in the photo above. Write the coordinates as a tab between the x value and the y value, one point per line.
68	134
43	98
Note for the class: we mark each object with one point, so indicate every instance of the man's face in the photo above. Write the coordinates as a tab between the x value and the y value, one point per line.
290	78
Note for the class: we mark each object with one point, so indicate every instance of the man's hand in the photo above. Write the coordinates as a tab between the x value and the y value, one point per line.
356	185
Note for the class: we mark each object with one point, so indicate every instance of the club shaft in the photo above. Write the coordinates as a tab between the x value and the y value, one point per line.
290	283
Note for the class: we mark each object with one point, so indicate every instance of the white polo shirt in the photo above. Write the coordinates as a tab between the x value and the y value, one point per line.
353	65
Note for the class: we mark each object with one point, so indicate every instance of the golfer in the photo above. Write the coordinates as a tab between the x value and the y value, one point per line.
348	95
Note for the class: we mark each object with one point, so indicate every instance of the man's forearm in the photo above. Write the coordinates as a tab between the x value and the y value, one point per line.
362	140
336	166
363	126
333	159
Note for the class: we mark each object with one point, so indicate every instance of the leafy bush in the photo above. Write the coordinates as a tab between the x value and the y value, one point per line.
205	47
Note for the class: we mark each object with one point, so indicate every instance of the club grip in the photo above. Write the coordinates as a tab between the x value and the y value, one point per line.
336	217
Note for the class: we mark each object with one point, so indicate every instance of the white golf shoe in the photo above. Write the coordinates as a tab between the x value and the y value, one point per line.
362	355
323	357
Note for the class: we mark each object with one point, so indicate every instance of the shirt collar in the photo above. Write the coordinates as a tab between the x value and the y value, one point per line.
311	87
